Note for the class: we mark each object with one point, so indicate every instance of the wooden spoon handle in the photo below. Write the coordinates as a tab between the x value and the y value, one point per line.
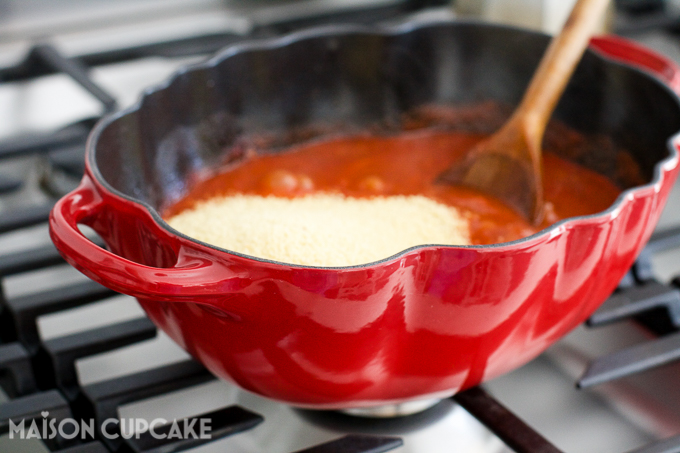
556	68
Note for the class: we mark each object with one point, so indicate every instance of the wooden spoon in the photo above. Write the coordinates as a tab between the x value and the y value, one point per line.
507	165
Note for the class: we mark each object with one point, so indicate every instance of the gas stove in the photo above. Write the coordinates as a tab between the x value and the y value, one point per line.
73	350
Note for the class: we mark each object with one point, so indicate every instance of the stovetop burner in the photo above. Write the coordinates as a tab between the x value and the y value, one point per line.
394	419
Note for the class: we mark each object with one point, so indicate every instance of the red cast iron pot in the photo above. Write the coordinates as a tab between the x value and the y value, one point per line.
427	322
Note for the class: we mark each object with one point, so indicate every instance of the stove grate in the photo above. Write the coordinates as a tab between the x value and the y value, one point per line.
41	142
639	299
18	318
9	184
16	372
356	444
61	353
652	304
28	260
91	447
632	360
36	407
507	426
24	217
656	307
223	422
44	58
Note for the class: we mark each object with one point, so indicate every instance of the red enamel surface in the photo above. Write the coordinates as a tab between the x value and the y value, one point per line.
428	322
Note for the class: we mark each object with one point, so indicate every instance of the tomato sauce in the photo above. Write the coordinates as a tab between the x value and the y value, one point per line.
406	164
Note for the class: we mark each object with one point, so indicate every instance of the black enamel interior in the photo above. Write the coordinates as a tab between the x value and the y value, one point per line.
354	78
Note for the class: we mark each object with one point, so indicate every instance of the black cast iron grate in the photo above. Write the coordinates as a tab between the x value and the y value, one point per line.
40	376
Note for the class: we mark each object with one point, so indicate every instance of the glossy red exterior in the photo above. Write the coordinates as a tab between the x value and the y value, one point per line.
425	323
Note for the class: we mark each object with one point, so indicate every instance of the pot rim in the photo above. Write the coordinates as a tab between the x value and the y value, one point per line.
667	163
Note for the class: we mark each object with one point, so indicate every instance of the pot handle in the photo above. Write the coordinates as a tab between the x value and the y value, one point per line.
628	52
194	278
